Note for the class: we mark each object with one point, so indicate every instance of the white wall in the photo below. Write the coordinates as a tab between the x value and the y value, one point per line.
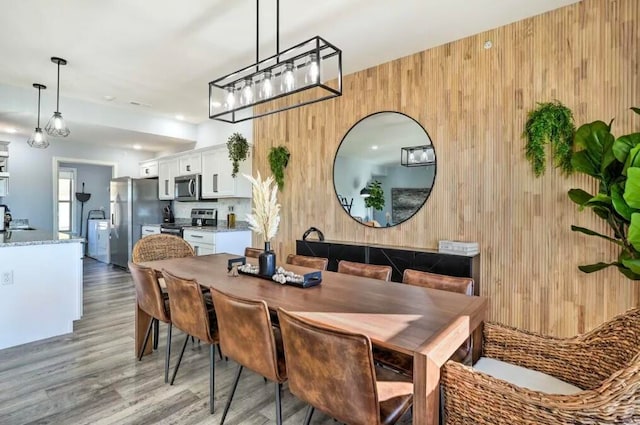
404	178
350	177
213	132
31	182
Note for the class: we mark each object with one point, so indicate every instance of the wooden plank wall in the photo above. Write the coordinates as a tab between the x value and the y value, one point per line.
474	102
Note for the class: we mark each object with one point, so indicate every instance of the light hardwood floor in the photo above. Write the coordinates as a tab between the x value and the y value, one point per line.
92	377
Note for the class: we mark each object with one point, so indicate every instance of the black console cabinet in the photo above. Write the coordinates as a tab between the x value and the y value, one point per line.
397	257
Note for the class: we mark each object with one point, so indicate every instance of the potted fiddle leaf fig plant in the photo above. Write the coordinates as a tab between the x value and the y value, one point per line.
238	150
615	164
376	196
551	123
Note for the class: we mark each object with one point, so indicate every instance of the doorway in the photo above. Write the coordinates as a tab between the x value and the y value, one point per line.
65	202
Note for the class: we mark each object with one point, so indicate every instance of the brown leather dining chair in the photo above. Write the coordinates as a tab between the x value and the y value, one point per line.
190	314
247	337
333	371
252	252
365	270
160	247
461	285
317	263
151	300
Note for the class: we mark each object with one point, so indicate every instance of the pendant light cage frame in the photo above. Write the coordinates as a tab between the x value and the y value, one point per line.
38	138
418	156
56	126
313	70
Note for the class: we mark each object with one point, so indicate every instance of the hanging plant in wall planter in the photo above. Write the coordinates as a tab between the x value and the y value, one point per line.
238	150
278	161
376	196
615	163
549	124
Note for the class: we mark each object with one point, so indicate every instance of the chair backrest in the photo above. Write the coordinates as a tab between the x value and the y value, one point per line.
252	252
246	334
188	309
365	270
148	292
317	263
161	247
330	369
460	285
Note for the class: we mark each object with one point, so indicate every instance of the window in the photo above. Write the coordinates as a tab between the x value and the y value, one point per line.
66	185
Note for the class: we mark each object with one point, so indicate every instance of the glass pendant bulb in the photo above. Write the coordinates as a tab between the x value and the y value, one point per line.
423	157
288	81
412	157
266	87
38	139
313	70
56	126
230	100
246	95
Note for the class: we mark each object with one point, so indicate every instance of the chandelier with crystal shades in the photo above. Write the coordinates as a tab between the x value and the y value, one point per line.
38	139
56	126
306	73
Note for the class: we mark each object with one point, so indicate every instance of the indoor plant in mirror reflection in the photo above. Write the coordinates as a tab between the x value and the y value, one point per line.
265	219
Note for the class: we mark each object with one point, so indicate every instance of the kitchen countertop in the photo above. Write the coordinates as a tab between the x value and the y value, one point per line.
241	226
35	237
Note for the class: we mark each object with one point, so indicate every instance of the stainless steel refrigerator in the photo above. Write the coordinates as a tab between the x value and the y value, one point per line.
134	202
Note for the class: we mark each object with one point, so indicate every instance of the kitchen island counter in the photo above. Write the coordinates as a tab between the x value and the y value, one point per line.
35	237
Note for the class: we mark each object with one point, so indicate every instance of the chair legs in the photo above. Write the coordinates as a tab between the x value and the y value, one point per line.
167	355
146	339
212	375
219	352
233	391
175	371
307	418
156	334
278	403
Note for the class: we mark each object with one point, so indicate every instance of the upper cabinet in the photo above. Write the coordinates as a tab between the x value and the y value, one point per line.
190	164
216	175
149	168
167	172
4	169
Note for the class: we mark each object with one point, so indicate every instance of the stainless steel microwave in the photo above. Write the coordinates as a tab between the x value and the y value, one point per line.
188	188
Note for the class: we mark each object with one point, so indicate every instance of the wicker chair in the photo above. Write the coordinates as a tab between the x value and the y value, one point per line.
161	247
604	364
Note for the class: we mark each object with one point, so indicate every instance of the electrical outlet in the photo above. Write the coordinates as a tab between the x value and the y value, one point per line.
6	277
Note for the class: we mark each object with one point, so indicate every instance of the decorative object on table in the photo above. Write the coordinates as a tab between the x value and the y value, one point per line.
311	230
236	262
308	72
56	126
550	123
38	139
615	164
284	276
265	219
278	161
82	198
238	150
458	247
231	218
376	196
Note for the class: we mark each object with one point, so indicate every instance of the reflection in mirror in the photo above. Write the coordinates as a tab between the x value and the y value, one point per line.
384	169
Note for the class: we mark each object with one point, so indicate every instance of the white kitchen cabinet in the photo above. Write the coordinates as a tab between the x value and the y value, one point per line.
167	172
202	242
216	175
190	164
150	230
4	186
149	169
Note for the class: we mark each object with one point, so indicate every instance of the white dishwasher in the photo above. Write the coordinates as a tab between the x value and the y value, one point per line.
98	239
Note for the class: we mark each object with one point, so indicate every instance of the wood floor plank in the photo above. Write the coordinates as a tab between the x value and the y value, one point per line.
91	377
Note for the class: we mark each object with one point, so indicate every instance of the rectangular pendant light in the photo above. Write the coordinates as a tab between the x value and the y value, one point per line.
417	156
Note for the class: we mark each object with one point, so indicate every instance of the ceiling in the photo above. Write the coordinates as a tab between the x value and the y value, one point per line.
162	54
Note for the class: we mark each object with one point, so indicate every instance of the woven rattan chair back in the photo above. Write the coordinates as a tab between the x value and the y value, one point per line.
161	247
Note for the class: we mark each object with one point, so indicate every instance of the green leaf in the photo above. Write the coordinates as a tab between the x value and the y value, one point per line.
633	159
632	264
632	188
579	196
634	231
602	212
628	273
600	199
592	233
590	268
582	162
619	204
623	145
594	137
636	110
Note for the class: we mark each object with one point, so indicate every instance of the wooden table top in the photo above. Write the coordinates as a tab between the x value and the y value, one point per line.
402	317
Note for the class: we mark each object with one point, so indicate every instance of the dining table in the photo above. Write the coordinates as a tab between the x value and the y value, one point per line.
427	324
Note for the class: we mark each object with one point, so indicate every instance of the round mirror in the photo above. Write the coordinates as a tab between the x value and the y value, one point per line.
384	169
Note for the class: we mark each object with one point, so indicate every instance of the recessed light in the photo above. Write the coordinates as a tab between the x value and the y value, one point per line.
488	44
180	117
137	147
374	147
11	130
108	98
